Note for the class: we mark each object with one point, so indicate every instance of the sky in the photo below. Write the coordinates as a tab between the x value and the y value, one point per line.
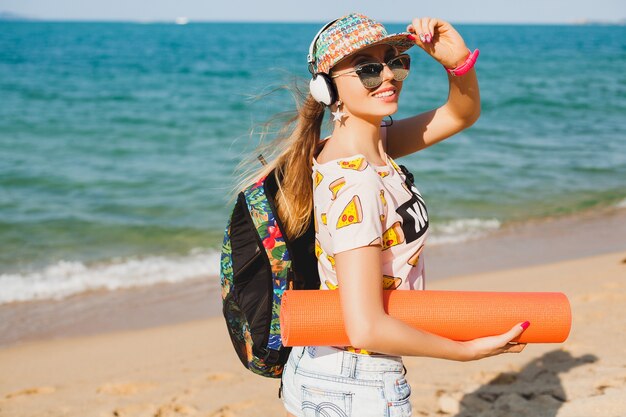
460	11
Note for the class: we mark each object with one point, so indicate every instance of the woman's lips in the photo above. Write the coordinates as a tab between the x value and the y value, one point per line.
388	95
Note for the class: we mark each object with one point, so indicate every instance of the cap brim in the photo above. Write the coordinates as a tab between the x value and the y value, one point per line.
397	40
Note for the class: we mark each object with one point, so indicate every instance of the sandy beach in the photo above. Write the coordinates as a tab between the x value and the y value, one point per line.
189	368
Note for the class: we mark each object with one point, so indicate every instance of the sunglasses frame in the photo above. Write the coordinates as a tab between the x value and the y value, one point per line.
359	68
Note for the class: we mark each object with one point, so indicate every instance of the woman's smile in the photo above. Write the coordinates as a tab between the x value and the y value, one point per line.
388	94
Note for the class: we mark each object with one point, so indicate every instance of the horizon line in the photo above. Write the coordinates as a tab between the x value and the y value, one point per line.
173	21
6	15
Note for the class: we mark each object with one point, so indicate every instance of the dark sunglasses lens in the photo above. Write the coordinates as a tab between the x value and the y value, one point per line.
400	67
369	74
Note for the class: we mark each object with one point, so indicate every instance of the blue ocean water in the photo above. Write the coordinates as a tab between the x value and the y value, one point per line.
118	140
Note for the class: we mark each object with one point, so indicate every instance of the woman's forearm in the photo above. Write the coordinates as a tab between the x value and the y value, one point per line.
386	334
464	97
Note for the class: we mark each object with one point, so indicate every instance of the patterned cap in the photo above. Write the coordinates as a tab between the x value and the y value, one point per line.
349	34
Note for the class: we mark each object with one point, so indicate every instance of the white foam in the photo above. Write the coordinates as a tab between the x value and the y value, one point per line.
621	204
461	230
65	278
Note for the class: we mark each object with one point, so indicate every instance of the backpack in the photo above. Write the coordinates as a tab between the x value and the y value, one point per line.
257	264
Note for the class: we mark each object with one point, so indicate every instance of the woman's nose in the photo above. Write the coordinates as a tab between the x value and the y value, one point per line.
387	74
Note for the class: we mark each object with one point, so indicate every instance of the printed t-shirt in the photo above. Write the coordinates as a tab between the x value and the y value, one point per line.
359	204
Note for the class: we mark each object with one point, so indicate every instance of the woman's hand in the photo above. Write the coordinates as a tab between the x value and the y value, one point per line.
495	345
440	40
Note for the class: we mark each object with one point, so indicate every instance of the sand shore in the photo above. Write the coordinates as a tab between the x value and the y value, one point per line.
190	369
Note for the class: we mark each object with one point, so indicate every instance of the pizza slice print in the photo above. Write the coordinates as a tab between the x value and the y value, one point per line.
323	217
393	236
352	213
382	198
318	249
391	282
357	350
414	259
335	186
331	260
358	164
318	178
330	285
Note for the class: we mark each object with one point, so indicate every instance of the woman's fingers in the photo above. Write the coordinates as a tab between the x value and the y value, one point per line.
515	331
432	23
514	348
423	31
505	339
496	345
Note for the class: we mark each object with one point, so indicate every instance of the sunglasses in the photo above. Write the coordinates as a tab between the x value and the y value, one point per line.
370	73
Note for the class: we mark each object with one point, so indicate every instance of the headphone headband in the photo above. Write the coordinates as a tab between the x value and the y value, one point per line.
310	58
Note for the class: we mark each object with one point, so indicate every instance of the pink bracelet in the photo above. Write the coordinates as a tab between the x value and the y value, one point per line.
466	66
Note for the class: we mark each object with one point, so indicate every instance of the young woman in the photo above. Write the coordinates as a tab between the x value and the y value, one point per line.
370	224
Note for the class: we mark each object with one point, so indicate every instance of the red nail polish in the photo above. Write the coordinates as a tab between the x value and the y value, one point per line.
428	38
411	37
525	325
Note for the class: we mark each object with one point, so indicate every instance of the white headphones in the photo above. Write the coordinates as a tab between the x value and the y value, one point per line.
320	86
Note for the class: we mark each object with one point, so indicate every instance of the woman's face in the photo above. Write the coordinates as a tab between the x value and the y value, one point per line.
369	104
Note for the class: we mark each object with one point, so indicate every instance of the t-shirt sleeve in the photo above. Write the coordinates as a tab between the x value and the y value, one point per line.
354	216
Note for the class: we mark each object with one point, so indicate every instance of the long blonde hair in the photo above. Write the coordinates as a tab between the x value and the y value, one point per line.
291	154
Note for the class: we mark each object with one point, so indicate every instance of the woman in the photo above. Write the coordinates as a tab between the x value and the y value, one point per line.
369	222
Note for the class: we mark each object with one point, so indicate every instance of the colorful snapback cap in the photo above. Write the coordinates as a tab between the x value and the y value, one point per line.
349	34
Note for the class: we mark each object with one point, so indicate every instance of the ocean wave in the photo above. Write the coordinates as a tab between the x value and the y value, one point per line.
65	278
621	204
461	230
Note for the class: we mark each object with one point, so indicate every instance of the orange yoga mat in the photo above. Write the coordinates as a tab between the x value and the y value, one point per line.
314	317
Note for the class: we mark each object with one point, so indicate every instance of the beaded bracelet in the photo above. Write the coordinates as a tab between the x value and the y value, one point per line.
466	66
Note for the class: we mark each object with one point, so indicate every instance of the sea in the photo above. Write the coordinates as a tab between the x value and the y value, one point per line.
120	142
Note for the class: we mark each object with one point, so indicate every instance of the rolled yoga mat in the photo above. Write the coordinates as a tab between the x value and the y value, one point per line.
314	317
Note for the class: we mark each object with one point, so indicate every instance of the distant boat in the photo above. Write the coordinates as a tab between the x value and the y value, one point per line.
182	20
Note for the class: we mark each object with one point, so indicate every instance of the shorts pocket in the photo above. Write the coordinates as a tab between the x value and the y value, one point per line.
397	395
319	402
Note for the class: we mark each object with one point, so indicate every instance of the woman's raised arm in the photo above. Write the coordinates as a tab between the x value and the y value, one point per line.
444	44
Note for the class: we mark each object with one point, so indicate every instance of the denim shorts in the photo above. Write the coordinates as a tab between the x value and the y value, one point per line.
324	381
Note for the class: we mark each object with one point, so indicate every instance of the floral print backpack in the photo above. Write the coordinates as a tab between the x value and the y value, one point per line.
258	263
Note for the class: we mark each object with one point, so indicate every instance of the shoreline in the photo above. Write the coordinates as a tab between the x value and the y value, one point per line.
536	242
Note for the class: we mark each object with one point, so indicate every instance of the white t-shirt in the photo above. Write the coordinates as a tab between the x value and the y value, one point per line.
358	204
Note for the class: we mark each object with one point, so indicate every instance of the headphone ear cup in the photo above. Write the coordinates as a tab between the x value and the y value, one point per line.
322	89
